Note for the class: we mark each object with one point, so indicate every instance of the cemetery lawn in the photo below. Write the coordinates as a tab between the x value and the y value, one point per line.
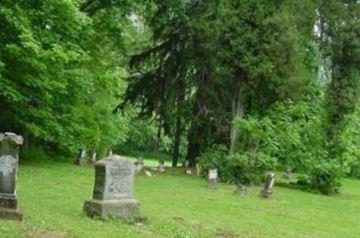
52	194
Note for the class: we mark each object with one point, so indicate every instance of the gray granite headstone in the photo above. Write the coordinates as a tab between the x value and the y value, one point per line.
213	175
113	189
269	184
9	158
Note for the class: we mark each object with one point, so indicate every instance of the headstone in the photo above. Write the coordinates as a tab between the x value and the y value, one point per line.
9	159
93	157
80	160
269	184
139	164
161	167
147	173
188	171
198	170
241	189
213	175
287	174
113	189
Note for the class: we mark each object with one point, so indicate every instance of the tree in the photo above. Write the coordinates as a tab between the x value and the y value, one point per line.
339	30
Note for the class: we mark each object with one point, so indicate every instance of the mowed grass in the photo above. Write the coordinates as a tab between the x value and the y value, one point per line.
52	194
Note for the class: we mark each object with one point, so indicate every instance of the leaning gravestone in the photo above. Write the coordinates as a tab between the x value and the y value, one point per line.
269	184
9	158
113	189
147	173
213	175
80	159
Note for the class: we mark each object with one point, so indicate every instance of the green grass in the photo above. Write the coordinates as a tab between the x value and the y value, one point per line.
51	195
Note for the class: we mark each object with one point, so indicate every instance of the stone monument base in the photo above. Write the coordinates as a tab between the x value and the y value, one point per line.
124	208
266	193
9	208
11	214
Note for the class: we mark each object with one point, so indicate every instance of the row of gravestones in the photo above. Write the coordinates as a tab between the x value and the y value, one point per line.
266	192
80	159
213	176
113	188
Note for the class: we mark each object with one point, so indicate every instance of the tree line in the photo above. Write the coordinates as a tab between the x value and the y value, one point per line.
247	86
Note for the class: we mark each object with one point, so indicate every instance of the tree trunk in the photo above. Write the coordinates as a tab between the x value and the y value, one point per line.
177	141
237	111
193	148
196	138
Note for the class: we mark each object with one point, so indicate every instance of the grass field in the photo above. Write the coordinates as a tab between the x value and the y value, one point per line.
175	205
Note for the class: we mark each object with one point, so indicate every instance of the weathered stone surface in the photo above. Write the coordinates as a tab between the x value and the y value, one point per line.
213	175
8	201
269	184
113	189
12	137
9	158
115	208
11	214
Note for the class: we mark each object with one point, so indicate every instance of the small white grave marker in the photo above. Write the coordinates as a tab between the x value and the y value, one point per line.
213	175
148	173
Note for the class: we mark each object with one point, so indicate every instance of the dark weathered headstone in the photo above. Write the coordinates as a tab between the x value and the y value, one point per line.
80	159
213	175
9	159
113	189
269	184
139	164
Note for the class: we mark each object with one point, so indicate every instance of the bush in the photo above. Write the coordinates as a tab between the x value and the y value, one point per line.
237	168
